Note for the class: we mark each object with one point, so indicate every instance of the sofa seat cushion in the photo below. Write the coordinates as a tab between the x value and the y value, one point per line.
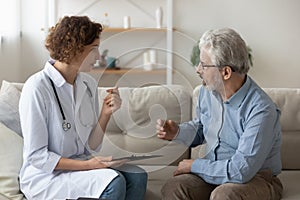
11	147
288	101
291	184
290	149
157	177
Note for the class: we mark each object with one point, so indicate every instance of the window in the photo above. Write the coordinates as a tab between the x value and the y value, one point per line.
9	18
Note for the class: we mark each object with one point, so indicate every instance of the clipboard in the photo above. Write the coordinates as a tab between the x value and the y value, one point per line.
136	157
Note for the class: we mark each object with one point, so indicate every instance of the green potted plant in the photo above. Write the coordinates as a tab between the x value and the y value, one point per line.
195	56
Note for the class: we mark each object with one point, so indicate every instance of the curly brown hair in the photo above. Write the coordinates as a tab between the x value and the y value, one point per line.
69	36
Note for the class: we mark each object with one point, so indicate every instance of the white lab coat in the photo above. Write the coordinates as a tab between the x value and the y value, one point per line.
45	142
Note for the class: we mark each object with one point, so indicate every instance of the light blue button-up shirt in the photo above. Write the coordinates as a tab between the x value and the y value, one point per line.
242	135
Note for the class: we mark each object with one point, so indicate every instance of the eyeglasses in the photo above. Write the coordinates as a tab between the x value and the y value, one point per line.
204	66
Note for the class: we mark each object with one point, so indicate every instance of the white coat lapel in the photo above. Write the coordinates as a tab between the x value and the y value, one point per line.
85	116
80	91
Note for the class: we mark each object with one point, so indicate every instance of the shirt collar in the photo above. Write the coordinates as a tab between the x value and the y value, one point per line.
59	80
237	98
54	74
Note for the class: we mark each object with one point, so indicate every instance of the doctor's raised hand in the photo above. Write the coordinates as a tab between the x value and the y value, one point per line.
112	102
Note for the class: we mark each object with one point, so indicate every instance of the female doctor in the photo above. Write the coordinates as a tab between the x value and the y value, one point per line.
59	117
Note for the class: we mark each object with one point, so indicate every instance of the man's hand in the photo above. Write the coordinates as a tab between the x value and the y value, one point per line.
166	130
184	167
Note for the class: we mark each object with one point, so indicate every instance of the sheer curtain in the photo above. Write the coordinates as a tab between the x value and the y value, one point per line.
9	19
10	27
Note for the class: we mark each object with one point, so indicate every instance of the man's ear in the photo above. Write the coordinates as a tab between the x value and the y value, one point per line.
227	72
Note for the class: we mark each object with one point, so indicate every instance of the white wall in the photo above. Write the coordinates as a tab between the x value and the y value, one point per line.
270	27
33	53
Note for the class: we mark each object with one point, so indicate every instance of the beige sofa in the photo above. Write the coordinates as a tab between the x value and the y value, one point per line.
132	132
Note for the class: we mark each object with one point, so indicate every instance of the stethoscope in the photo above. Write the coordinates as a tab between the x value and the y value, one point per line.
65	125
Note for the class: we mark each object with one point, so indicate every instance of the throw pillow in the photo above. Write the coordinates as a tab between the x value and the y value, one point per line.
146	105
6	84
11	146
9	107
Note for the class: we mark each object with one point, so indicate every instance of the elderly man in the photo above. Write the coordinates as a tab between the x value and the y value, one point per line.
237	122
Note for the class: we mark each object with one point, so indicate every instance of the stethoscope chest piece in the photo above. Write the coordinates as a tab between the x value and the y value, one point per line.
66	125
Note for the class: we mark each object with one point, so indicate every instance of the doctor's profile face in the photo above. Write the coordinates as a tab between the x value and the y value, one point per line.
90	56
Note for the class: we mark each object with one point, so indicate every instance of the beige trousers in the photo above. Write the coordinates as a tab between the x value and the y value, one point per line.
191	187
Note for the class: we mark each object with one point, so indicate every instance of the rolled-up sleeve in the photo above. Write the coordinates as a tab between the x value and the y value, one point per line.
191	133
88	150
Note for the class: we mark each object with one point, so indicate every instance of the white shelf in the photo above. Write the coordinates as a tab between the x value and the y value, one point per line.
141	29
168	30
121	71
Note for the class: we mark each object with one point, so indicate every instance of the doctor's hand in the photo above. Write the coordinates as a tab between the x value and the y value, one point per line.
100	162
112	101
166	130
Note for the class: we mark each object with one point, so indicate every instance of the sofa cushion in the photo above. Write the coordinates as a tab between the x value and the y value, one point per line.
290	181
141	107
157	177
6	84
131	129
9	106
288	101
290	149
11	146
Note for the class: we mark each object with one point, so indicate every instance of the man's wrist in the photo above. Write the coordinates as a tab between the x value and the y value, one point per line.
178	130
